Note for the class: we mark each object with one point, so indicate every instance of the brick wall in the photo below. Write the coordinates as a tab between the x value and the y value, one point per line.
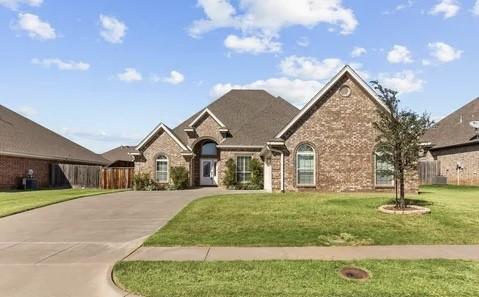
232	153
13	169
163	144
341	131
467	155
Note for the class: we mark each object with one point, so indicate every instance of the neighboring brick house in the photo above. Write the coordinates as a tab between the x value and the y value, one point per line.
26	145
329	145
454	142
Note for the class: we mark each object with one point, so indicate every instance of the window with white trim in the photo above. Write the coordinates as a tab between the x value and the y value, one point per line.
243	169
305	166
162	169
383	172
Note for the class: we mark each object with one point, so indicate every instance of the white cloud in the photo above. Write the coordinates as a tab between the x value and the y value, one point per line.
303	41
444	52
14	4
35	27
113	30
426	62
27	111
358	52
130	75
296	91
448	8
399	54
475	10
310	68
402	6
62	65
403	82
252	45
266	18
175	78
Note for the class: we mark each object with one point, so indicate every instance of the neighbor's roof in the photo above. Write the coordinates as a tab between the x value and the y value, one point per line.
252	116
22	137
121	153
455	129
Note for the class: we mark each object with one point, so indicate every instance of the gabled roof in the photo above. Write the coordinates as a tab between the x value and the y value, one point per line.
121	153
346	70
21	137
455	128
202	114
157	129
252	116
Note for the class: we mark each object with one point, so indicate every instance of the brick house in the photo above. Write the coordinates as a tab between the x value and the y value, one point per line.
329	145
26	145
454	142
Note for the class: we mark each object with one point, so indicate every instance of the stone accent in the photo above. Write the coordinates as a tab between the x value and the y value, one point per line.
467	155
163	144
13	169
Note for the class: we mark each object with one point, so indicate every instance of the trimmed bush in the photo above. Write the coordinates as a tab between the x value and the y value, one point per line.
256	174
143	182
230	174
179	177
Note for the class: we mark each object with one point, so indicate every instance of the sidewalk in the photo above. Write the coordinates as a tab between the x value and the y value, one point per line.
399	252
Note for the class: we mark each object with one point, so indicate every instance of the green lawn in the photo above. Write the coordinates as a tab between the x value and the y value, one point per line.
299	278
15	202
302	219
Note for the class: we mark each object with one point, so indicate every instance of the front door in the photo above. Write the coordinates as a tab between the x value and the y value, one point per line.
208	176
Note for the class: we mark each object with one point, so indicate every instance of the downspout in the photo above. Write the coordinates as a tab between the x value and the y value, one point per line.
282	166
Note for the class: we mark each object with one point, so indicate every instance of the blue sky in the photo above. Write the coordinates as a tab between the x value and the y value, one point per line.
105	72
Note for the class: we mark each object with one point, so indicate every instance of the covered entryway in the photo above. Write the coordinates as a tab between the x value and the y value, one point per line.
205	172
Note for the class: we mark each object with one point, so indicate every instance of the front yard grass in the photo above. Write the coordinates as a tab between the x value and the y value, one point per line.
438	278
17	201
312	219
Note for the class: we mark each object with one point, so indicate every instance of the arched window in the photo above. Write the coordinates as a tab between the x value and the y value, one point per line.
162	169
209	149
305	166
383	172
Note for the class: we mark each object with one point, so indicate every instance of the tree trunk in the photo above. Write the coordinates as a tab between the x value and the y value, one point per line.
402	200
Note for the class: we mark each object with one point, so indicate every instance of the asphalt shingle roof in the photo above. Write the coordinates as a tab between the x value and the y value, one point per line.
120	153
20	136
455	129
253	117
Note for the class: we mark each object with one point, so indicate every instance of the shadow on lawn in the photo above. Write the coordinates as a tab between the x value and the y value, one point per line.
417	202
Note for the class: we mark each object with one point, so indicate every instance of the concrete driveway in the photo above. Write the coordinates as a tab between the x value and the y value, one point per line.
68	249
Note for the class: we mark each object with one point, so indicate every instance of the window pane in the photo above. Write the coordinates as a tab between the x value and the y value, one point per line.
383	173
162	169
243	171
209	149
206	169
305	165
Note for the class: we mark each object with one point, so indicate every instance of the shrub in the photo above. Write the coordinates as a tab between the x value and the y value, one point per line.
179	177
141	181
230	174
256	174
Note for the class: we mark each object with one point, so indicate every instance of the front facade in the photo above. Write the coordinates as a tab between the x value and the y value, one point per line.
454	144
329	145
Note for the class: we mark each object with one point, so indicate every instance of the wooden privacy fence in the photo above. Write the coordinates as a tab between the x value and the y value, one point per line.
428	170
75	176
78	176
117	178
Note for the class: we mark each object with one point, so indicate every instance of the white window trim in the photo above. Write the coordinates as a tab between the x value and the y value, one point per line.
167	170
314	166
376	185
236	173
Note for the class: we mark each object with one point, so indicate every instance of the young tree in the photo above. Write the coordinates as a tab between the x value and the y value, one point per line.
398	139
